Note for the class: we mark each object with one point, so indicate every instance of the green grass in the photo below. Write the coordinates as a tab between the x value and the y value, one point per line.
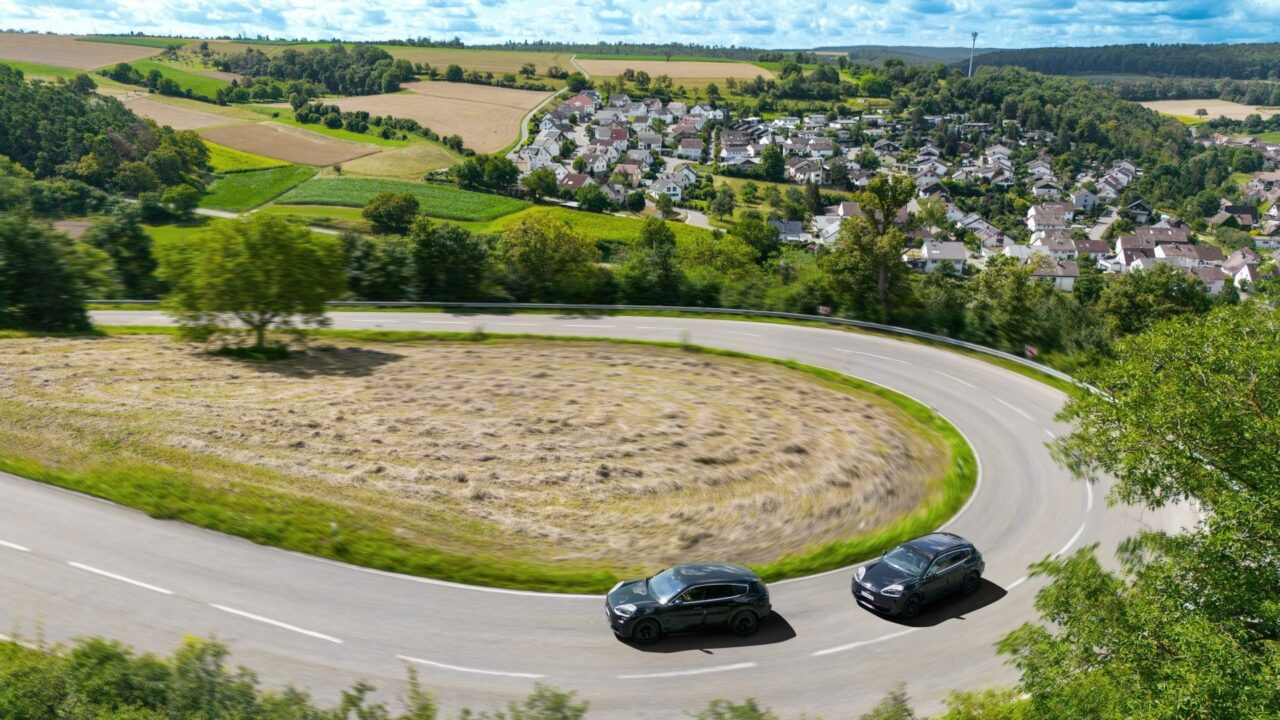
151	42
225	160
1271	137
175	230
247	190
36	70
441	201
660	58
329	216
305	523
198	84
284	116
597	226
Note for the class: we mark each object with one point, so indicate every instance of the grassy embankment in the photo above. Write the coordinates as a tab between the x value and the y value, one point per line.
176	485
441	201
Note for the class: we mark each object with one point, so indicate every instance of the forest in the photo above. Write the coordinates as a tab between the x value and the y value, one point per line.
358	69
1259	61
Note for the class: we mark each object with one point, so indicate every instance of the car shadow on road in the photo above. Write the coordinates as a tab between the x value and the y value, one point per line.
774	630
955	607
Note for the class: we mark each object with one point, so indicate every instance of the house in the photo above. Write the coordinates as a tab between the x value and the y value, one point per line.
1186	255
648	141
582	104
790	231
861	178
669	186
823	147
685	176
619	100
1045	216
1212	277
886	147
1241	216
595	163
932	166
574	181
631	174
1055	242
690	148
616	193
677	109
1040	168
933	253
1047	189
1158	235
729	153
1084	201
1140	211
640	158
805	170
1062	273
1094	248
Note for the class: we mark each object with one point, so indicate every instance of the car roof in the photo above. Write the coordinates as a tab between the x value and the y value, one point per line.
699	573
936	543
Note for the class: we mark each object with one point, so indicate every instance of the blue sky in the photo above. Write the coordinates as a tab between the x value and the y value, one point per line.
755	23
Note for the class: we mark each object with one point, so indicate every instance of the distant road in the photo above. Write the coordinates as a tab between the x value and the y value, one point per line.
72	566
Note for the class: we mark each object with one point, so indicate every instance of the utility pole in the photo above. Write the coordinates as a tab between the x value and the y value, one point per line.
972	48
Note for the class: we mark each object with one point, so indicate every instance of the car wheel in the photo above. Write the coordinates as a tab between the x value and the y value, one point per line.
911	607
744	623
646	632
971	583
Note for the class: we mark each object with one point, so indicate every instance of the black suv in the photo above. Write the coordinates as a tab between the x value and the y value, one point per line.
917	572
688	598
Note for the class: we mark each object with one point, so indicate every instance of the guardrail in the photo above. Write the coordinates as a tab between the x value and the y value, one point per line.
864	324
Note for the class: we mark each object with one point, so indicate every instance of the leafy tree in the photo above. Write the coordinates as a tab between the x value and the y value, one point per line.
591	198
865	265
894	706
664	205
391	212
723	203
545	260
750	192
378	268
449	263
651	274
453	73
39	286
577	82
128	245
528	70
725	710
1139	299
755	232
541	183
263	272
635	201
544	703
773	166
500	174
133	178
183	198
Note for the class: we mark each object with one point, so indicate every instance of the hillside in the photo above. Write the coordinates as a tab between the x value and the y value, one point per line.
1241	62
909	54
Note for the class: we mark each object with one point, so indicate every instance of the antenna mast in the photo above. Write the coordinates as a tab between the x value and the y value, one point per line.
972	48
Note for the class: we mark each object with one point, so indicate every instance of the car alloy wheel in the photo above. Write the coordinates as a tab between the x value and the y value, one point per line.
646	632
912	607
971	583
744	623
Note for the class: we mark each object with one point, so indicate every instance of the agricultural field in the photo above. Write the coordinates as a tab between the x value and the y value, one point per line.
294	145
36	71
189	116
488	118
481	450
679	71
605	229
410	162
328	216
494	61
68	51
242	191
186	78
223	159
159	43
1186	109
441	201
1273	137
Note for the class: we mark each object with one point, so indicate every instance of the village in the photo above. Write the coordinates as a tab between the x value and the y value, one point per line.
631	147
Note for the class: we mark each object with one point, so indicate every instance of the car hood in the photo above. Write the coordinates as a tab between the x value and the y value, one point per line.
880	575
634	592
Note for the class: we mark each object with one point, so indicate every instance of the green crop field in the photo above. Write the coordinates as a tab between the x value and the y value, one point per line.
198	84
284	116
329	216
225	160
36	70
442	201
151	42
247	190
609	229
176	230
1273	137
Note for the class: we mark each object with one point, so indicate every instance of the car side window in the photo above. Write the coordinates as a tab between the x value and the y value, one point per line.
949	561
721	592
694	594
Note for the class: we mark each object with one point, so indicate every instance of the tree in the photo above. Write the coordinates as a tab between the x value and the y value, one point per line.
453	73
813	198
651	275
544	260
773	166
263	272
725	710
577	82
123	239
591	198
182	199
528	70
894	706
500	174
865	265
449	263
133	178
755	232
666	208
750	192
1187	628
723	203
635	201
391	212
39	287
1137	300
378	268
541	183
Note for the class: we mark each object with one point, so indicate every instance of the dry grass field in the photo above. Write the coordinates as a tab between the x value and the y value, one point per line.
282	142
615	456
677	70
1215	108
67	51
175	116
487	118
406	163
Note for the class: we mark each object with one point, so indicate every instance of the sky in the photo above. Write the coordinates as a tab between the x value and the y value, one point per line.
748	23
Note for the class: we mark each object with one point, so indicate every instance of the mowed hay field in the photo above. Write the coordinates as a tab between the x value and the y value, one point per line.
286	143
677	69
487	118
176	116
67	51
556	455
1215	108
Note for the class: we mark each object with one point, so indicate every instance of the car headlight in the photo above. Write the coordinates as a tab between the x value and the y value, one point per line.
892	591
857	574
625	611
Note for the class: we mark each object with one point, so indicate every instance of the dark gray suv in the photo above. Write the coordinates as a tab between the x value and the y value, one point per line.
917	572
688	598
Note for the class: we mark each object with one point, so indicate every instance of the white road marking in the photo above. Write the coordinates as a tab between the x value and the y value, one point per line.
953	378
276	623
420	661
1016	583
15	546
121	578
655	327
735	332
878	357
1070	542
510	324
1051	434
863	643
1014	408
683	673
593	325
439	322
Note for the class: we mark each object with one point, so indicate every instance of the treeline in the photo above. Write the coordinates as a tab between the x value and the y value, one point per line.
1258	61
261	90
356	70
66	130
455	73
1246	92
386	127
626	48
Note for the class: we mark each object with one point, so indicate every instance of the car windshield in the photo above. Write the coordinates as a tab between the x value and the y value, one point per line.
664	586
907	560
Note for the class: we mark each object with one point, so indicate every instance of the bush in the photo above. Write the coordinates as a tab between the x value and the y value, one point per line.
391	212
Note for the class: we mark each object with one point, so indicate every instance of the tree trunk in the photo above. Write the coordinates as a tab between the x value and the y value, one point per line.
260	332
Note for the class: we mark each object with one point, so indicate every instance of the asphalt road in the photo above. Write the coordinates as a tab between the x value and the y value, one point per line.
73	566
